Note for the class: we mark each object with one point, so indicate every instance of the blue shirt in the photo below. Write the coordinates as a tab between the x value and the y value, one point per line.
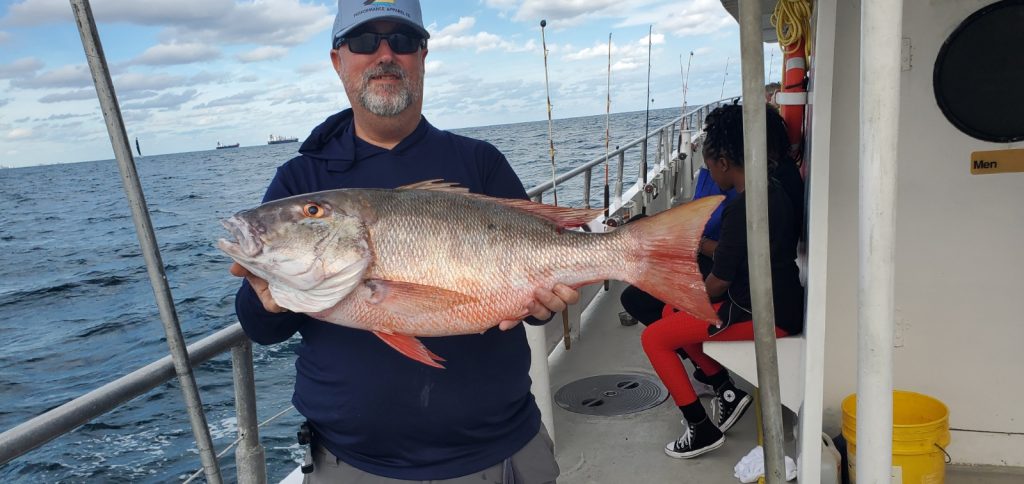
706	187
371	406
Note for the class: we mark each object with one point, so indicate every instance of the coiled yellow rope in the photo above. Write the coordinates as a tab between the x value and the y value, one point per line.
791	19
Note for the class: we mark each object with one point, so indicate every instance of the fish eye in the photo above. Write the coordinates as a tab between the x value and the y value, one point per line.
314	210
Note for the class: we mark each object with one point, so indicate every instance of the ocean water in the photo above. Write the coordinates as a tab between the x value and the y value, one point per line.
77	309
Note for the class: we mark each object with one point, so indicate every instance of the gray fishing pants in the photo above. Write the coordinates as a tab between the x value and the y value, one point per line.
533	464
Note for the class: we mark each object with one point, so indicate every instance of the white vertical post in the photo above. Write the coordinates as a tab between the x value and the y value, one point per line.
881	23
536	336
819	140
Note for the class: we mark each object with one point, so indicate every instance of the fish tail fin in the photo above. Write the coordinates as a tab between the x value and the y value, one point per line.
411	347
670	271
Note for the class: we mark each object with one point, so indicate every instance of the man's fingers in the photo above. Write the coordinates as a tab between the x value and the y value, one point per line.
237	270
566	293
508	324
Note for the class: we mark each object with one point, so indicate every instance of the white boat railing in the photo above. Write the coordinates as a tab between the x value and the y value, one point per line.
669	181
249	455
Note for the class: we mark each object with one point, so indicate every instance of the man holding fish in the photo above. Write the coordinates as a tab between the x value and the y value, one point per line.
377	415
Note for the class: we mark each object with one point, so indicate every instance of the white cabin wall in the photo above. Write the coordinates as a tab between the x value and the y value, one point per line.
959	267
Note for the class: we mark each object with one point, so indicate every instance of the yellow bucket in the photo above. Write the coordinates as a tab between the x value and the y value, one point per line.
920	433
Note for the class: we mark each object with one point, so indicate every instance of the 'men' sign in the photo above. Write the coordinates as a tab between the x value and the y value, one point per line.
999	161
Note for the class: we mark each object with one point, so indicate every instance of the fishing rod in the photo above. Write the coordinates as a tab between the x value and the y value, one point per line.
724	77
647	120
686	82
607	139
607	129
551	141
554	182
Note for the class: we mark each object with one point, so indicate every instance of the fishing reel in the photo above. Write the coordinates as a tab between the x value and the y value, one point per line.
651	189
305	437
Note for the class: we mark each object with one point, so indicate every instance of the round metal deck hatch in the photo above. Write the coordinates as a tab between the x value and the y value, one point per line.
979	72
610	395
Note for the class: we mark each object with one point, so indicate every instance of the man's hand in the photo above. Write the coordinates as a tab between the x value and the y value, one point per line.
545	303
259	285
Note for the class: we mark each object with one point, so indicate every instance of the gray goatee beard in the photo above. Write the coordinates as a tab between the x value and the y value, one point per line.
395	98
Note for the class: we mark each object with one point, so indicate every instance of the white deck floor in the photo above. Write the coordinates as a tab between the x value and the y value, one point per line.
630	448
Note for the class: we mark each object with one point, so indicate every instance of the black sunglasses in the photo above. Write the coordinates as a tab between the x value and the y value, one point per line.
368	42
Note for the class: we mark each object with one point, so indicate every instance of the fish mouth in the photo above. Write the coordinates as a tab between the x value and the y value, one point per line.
243	240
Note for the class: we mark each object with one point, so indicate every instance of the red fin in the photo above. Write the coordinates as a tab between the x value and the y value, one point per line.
436	185
564	217
411	347
671	238
410	298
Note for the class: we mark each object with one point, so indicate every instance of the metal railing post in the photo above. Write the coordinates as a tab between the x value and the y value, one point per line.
586	187
618	180
643	162
758	256
249	456
144	228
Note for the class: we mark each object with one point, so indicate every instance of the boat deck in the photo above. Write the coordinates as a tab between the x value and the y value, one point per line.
593	449
603	450
628	448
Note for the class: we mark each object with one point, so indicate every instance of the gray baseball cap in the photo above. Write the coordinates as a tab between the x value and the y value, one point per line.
353	13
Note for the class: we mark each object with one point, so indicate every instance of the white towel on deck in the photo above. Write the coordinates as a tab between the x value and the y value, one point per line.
751	466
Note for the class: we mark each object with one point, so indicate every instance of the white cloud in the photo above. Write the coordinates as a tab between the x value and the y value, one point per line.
459	36
4	101
142	82
76	95
502	4
18	133
694	17
678	18
265	22
240	98
316	68
76	76
458	28
262	54
624	58
567	11
170	101
4	36
434	68
175	54
25	67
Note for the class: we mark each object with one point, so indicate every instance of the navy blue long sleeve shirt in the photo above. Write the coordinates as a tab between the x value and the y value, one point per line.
369	405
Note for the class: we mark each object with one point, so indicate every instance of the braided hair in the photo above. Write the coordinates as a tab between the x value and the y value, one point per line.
724	128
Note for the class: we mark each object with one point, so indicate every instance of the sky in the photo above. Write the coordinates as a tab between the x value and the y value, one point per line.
191	73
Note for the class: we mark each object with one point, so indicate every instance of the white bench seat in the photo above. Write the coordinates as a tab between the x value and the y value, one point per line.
740	359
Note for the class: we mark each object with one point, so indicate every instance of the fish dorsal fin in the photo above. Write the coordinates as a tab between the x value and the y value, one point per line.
564	217
413	299
437	185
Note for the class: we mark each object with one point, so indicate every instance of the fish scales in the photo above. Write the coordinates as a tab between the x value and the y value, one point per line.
495	253
430	259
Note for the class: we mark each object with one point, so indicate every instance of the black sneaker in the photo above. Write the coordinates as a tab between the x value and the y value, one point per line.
729	405
698	439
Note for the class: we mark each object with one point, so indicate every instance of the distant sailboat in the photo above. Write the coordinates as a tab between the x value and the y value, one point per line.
137	149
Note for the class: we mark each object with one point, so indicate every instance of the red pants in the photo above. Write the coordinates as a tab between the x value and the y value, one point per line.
680	330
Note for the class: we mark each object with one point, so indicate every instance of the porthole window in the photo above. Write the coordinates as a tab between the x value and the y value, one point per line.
979	73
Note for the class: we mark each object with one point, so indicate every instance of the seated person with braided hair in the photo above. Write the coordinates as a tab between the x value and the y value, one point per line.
729	280
646	308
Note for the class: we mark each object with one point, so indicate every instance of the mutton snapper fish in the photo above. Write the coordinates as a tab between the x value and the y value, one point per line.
431	259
